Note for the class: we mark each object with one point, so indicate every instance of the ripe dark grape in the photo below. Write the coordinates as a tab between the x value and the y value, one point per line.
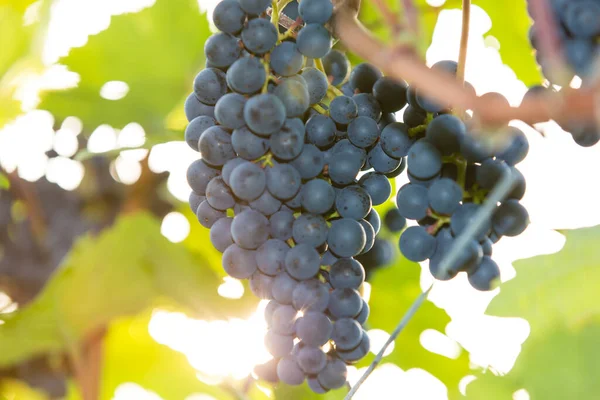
316	83
390	93
353	202
416	244
363	132
314	41
259	36
311	295
248	181
310	162
363	77
196	128
222	49
264	114
346	273
320	131
315	11
247	145
336	66
286	60
228	16
194	108
215	146
394	221
254	7
310	229
395	140
210	85
293	93
367	106
343	109
246	75
250	229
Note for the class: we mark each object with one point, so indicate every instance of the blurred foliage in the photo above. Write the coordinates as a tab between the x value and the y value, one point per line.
156	52
510	25
558	295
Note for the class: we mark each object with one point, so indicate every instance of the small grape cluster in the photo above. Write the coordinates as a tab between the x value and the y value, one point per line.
577	26
451	172
281	150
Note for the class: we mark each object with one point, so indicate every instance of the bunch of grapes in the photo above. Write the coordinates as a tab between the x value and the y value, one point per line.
277	184
576	24
451	172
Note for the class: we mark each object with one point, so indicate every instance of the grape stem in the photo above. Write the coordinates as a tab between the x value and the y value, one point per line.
275	13
462	52
320	109
265	63
401	325
335	91
414	131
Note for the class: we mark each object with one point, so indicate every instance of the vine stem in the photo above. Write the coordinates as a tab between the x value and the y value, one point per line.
401	325
462	52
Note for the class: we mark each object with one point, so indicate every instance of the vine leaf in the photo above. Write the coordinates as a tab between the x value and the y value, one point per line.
558	295
122	271
156	52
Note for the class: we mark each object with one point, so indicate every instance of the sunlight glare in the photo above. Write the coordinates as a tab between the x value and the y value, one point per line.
437	342
231	288
133	391
114	90
103	139
464	382
521	394
175	227
65	172
132	135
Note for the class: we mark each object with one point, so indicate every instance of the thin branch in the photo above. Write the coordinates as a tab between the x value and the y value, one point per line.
464	41
401	63
401	325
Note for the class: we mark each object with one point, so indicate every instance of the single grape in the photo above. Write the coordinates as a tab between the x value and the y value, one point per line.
259	36
362	317
310	229
246	76
255	7
268	371
367	106
344	303
293	93
229	167
353	202
194	108
311	359
199	174
487	247
194	200
490	172
343	169
346	237
357	353
196	128
238	262
363	132
333	376
278	345
374	220
336	66
378	186
510	218
346	273
390	93
416	244
444	196
228	16
286	60
283	181
517	148
381	162
266	204
486	276
394	220
284	319
465	216
370	235
261	285
248	181
281	225
430	105
270	256
424	160
318	196
343	109
210	85
316	83
207	215
289	372
582	18
220	234
412	201
314	41
302	262
315	386
347	334
215	146
363	77
288	142
250	229
474	149
264	114
247	145
283	288
395	140
219	195
315	11
311	295
269	310
351	151
446	133
222	49
310	162
314	328
414	116
320	130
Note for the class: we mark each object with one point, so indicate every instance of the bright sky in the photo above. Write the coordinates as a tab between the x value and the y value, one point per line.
556	198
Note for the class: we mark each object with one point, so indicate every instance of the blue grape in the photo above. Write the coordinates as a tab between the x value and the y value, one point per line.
270	256
416	244
310	229
247	145
520	185
238	262
346	273
490	172
278	345
283	288
196	128
315	386
268	371
510	218
293	93
444	196
446	133
229	110
228	16
362	317
316	83
281	224
367	106
421	182
215	146
449	66
363	77
302	262
314	328
259	36
283	181
311	359
222	49
346	237
250	229
343	169
464	216
311	295
286	60
264	114
310	162
394	220
475	150
343	109
318	196
246	76
261	285
269	310
295	203
194	108
412	201
320	130
381	162
582	18
516	150
353	202
266	204
374	220
363	132
370	235
347	334
580	53
220	234
428	104
194	200
219	195
289	372
333	376
468	257
248	181
284	319
346	147
314	41
288	142
424	160
395	140
486	247
486	276
210	85
337	67
229	167
414	116
315	11
357	353
255	7
390	93
344	303
378	186
207	215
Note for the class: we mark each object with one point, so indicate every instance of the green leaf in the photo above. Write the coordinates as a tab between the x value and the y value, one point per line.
4	182
557	294
156	52
122	271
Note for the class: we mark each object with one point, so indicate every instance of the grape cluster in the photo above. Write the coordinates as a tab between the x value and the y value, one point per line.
451	172
577	26
282	148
